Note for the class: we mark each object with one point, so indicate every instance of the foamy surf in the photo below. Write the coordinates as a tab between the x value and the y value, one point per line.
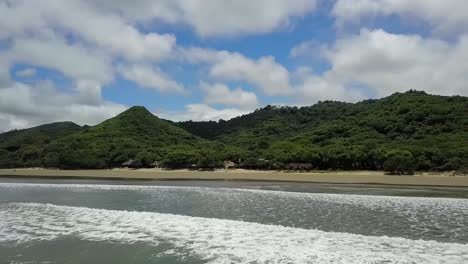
440	219
216	240
369	201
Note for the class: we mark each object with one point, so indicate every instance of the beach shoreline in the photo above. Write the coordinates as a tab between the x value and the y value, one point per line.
338	177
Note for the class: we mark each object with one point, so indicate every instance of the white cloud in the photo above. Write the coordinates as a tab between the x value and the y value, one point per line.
318	88
88	92
24	106
4	70
443	15
216	17
221	94
84	40
382	63
307	49
28	72
212	17
83	43
151	77
265	73
73	60
101	28
201	112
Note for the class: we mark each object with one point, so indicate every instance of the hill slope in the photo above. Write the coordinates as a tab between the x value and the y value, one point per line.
387	116
135	132
23	147
434	129
424	132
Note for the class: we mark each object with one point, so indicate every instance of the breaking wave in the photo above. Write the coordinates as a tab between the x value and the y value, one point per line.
217	240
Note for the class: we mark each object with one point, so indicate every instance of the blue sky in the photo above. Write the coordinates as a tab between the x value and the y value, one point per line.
86	61
277	44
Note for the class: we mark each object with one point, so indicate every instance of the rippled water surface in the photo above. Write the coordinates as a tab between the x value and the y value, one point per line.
196	222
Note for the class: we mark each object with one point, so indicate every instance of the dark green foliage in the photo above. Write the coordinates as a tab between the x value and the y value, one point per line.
179	158
432	130
24	148
399	163
209	160
146	158
334	135
134	134
463	168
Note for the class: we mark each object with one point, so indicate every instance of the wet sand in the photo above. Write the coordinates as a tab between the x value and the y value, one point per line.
342	177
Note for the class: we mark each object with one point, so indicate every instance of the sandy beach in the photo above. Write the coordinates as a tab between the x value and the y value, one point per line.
342	177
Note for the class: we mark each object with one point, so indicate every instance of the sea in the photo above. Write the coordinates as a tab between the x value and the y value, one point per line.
82	221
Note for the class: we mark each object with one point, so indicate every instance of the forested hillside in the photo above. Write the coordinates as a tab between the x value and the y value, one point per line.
413	130
134	134
431	130
23	148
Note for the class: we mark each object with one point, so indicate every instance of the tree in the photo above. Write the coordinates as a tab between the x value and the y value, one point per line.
209	160
399	162
177	159
329	135
146	158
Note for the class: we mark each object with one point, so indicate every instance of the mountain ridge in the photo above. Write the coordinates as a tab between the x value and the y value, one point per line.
429	130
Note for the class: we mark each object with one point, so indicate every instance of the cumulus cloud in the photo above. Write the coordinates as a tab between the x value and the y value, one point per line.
91	41
151	77
377	63
446	16
81	42
24	106
315	88
215	17
84	40
201	112
80	18
219	93
73	60
388	63
308	49
265	73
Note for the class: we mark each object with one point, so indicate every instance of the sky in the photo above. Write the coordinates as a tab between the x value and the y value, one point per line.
88	60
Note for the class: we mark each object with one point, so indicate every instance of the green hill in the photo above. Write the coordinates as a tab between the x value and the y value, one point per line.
414	130
434	129
20	148
133	134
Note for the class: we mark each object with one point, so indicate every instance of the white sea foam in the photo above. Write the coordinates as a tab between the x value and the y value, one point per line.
409	206
216	240
371	200
441	219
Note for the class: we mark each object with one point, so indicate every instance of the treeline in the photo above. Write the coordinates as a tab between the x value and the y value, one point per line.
278	156
400	134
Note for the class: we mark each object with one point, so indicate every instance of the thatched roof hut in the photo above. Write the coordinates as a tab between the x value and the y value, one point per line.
228	164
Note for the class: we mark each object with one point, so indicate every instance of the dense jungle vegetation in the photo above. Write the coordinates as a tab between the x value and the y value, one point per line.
400	133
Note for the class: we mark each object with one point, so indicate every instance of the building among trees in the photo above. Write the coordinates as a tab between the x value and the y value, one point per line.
228	164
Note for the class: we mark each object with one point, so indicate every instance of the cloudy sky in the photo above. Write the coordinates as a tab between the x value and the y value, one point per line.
87	60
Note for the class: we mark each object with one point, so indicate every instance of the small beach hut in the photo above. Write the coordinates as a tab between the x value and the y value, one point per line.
228	164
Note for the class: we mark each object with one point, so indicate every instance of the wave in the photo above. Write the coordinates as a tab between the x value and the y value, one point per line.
216	240
342	198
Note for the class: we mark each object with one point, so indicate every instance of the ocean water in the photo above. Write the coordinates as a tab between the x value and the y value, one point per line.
43	222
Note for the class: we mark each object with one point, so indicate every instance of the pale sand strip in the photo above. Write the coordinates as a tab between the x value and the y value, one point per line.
352	177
